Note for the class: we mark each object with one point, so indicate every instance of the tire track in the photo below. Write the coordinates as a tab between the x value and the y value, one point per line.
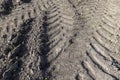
31	65
49	31
58	30
23	18
37	67
44	48
104	43
46	39
60	37
15	50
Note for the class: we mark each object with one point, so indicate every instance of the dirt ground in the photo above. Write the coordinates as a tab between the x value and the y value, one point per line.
59	39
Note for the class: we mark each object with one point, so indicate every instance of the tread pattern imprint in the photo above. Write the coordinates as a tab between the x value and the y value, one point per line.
59	40
34	36
102	54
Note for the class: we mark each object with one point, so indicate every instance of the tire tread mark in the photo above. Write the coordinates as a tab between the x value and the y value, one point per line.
47	42
88	72
105	64
100	67
19	49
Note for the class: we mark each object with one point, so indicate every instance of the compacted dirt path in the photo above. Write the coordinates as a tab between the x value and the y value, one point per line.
59	40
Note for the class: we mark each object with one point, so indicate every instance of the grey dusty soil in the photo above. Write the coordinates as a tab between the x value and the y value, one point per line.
59	39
